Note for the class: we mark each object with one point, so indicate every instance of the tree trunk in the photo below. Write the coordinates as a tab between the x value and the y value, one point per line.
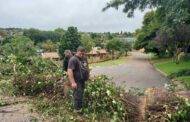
177	55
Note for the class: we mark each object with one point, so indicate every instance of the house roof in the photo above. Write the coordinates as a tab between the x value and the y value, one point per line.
102	51
94	51
53	55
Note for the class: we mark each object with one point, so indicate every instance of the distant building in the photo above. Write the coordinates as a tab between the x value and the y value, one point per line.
96	55
130	39
50	55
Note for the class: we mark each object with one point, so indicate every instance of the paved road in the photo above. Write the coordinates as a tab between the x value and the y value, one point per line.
136	72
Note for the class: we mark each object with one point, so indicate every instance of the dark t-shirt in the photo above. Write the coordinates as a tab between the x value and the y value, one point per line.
76	67
65	63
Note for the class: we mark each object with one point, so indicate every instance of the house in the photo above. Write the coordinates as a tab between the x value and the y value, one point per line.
50	55
96	55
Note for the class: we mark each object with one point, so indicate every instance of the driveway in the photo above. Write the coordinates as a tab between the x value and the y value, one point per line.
136	72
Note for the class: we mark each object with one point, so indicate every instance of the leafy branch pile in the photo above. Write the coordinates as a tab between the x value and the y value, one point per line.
103	101
183	112
184	72
30	75
33	76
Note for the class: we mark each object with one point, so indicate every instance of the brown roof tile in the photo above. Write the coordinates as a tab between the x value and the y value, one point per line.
54	55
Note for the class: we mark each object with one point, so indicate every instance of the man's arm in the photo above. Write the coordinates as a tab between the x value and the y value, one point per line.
71	67
71	78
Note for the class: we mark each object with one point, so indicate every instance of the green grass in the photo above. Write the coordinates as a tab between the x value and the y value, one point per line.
169	67
121	60
185	80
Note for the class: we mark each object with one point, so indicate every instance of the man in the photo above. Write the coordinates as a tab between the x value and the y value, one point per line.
68	55
78	73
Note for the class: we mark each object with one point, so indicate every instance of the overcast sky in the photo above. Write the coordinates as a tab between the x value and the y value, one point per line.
87	15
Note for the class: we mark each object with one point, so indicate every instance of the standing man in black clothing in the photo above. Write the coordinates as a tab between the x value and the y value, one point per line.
68	55
78	73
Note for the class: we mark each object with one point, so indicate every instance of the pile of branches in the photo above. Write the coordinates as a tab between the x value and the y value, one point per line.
165	106
31	75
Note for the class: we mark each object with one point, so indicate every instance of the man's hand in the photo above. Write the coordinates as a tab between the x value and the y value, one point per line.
71	79
73	85
90	77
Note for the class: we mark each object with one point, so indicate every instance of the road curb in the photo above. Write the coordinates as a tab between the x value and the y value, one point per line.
161	72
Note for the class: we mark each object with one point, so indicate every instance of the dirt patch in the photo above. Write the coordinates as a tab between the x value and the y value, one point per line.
16	110
16	113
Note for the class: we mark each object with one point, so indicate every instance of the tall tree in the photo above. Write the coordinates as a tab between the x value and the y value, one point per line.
114	45
87	42
70	41
39	36
48	46
147	33
173	17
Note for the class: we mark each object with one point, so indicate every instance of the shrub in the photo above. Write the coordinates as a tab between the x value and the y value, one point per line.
7	88
103	101
185	57
184	72
185	80
30	75
183	113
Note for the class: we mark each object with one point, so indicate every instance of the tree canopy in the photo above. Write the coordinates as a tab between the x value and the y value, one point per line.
131	5
87	42
165	28
19	46
71	41
39	36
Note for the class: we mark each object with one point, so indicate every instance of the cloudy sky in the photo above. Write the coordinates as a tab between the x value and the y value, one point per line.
50	14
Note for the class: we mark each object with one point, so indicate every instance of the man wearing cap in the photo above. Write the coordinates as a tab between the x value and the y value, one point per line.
78	73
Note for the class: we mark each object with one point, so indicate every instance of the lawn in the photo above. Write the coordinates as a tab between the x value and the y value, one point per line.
169	67
121	60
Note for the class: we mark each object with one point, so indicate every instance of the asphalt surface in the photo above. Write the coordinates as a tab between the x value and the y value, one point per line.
136	72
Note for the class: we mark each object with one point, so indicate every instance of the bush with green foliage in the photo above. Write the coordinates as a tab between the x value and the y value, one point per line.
184	72
183	113
118	45
183	76
87	42
185	57
185	80
19	46
103	101
30	75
